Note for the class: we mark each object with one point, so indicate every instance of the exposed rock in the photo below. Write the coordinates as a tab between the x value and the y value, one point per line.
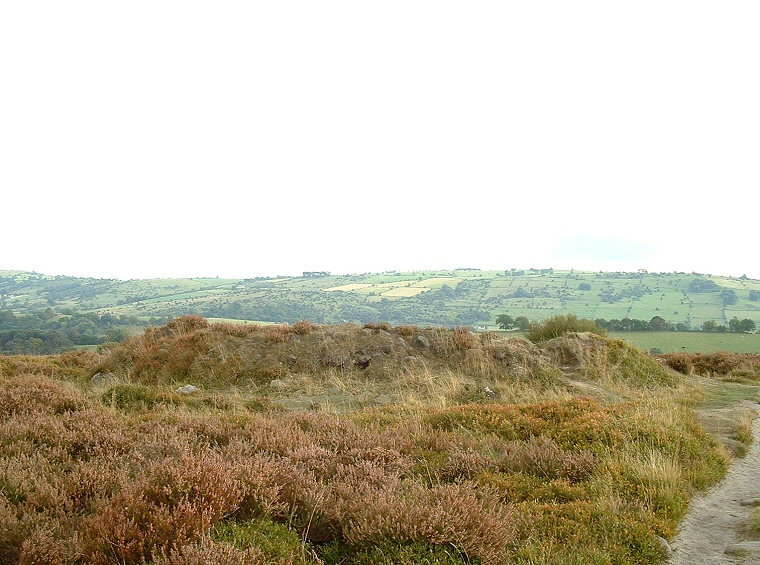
743	548
422	342
277	384
667	551
100	378
750	502
188	389
367	331
363	361
383	399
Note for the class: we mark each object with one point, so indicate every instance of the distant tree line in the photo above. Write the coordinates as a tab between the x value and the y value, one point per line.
46	331
735	325
656	324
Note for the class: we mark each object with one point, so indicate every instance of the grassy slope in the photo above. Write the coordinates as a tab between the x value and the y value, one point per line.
456	448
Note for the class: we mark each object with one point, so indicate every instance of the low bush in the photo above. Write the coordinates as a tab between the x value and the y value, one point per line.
558	326
721	364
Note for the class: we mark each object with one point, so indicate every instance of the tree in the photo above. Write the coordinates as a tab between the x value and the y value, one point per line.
505	322
741	326
754	295
659	324
709	326
729	296
522	323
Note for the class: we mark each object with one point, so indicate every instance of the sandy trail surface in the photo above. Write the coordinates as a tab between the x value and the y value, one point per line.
712	533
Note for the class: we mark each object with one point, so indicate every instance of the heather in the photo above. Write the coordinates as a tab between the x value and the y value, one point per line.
417	445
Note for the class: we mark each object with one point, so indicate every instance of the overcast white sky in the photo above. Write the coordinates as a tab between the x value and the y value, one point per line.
166	138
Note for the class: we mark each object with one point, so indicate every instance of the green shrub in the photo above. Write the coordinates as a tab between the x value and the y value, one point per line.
557	326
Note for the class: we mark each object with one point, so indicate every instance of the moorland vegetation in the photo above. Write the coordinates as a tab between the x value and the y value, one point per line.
357	443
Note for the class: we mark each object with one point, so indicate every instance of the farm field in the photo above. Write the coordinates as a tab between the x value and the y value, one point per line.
692	342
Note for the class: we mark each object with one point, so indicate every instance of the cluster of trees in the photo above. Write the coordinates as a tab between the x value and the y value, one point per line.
507	322
729	296
656	324
45	332
735	325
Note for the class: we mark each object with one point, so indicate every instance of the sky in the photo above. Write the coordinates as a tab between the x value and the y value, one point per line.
149	139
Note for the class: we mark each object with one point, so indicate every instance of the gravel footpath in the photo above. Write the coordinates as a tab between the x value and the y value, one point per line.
711	533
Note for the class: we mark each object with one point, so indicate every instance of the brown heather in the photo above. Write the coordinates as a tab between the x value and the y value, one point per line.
132	472
726	366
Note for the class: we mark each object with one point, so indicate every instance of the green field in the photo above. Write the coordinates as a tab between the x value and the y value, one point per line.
692	342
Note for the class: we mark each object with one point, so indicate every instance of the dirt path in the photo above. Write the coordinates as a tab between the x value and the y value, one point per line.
711	534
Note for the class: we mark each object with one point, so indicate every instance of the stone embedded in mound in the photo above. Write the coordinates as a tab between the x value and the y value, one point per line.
422	342
363	361
188	389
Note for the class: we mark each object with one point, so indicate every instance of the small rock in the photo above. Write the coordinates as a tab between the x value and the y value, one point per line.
188	389
383	399
743	548
277	384
363	361
422	342
366	331
667	551
101	378
750	502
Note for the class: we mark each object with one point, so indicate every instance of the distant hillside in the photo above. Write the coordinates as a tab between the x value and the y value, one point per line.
426	298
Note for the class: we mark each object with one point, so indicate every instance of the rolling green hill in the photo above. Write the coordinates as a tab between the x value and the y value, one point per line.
425	298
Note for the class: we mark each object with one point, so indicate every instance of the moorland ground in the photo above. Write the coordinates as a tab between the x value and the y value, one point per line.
309	443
